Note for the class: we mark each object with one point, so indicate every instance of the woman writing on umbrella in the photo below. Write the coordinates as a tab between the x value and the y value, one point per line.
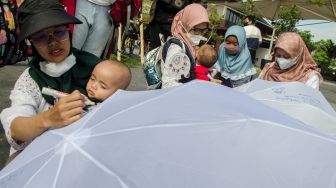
55	64
293	62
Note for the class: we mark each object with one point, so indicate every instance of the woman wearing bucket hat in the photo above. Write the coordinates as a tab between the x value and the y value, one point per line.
56	65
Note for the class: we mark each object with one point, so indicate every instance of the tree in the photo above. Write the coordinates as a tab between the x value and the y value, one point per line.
248	8
308	39
289	17
324	56
215	20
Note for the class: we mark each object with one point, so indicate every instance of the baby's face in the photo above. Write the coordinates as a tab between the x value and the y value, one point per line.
100	85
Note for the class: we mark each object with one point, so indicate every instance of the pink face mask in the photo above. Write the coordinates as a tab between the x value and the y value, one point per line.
231	49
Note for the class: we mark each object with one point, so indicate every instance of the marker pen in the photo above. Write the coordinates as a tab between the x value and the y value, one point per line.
58	94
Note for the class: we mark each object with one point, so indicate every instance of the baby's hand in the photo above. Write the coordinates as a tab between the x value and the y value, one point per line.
217	81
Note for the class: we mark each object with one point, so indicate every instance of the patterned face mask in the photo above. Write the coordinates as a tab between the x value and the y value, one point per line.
231	49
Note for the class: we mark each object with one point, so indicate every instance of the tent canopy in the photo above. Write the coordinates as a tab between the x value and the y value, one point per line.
270	8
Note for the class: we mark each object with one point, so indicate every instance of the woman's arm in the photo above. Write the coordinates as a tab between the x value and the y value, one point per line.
314	81
66	111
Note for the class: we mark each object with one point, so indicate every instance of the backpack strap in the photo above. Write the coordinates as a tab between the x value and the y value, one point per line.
186	51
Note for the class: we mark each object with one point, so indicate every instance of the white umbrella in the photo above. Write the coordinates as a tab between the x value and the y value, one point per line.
296	100
192	136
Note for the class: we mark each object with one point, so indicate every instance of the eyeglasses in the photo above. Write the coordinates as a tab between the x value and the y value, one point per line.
41	39
200	31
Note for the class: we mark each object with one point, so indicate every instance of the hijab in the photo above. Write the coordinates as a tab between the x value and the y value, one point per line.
239	65
185	20
292	43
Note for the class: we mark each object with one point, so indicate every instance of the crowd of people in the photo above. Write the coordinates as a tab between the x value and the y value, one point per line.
74	67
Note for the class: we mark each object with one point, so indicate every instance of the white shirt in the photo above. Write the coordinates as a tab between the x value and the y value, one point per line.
26	101
253	32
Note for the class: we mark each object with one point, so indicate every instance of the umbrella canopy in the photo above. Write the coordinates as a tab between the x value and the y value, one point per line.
296	100
196	135
270	8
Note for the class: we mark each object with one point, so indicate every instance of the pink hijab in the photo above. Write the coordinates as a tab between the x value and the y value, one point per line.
185	20
292	43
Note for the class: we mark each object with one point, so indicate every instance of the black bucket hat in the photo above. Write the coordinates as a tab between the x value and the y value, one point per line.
35	15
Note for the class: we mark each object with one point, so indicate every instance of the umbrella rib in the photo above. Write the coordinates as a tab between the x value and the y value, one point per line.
333	7
60	164
170	125
33	176
314	134
131	107
100	165
37	156
315	13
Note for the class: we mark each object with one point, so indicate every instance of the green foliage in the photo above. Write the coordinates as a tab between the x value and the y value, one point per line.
289	17
129	61
215	20
324	56
318	2
308	39
247	8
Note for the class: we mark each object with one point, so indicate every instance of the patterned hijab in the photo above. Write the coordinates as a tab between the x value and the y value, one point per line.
235	66
292	43
185	20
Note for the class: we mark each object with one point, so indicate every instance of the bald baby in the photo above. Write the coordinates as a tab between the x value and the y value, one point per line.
107	77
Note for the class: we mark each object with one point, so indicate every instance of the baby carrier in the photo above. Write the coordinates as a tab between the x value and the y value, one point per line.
155	59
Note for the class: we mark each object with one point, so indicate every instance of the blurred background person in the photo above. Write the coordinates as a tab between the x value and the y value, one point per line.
253	36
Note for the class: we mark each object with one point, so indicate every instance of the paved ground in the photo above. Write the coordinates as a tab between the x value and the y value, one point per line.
9	74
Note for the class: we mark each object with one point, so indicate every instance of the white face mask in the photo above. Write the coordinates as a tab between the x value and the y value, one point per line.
287	63
57	69
196	39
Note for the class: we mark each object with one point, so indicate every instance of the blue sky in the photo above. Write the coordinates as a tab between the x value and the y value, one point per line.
320	31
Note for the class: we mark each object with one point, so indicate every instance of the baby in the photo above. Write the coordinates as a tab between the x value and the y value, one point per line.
107	77
206	57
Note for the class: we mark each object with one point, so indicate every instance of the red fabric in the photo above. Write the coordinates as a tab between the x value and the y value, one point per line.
70	7
118	10
202	72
